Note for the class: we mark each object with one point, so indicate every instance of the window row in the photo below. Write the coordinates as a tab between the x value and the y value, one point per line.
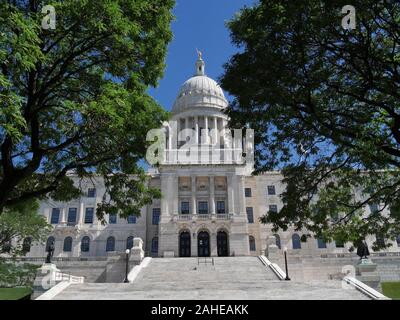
203	207
321	244
88	218
250	216
85	243
270	191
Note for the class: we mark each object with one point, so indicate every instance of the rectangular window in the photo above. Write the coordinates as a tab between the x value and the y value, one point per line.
71	220
203	207
247	192
271	190
220	206
112	219
89	215
131	219
55	216
273	208
339	244
250	216
91	193
156	216
184	207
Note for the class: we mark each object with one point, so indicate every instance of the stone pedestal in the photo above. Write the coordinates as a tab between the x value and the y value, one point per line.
45	279
272	251
137	252
366	273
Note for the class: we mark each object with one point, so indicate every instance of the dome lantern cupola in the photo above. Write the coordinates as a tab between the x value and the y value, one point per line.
199	91
200	65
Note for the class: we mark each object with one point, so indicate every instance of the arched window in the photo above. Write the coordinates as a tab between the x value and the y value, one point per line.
398	240
321	243
277	240
67	244
50	240
6	245
129	242
85	244
252	243
110	245
296	243
26	245
154	245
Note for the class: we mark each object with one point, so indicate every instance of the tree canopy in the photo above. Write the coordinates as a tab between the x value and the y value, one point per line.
20	227
324	103
74	98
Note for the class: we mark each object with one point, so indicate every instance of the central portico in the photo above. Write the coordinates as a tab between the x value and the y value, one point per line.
202	180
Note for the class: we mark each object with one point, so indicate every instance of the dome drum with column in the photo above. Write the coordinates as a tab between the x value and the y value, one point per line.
199	108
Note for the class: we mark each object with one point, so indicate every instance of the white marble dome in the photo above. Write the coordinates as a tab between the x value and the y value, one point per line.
199	91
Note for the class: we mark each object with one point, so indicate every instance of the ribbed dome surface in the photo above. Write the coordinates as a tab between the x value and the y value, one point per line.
199	91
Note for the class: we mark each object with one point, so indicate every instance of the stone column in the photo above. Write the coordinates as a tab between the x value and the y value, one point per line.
216	131
230	194
170	138
212	195
213	245
236	194
206	128
164	197
174	194
226	141
63	220
222	129
241	202
193	178
178	129
81	213
196	128
187	134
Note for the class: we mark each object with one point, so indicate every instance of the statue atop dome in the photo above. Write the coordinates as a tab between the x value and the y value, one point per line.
200	65
199	54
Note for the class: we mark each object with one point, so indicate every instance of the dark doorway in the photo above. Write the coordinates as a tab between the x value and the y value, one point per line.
203	244
184	244
222	244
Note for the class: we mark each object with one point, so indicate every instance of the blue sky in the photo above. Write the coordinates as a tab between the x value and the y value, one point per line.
198	24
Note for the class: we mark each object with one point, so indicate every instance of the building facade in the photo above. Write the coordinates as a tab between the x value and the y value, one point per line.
210	205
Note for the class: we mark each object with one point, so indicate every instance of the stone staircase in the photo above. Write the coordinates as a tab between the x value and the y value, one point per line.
236	278
183	271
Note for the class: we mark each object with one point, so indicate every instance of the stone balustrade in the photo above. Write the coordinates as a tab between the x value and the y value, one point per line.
202	217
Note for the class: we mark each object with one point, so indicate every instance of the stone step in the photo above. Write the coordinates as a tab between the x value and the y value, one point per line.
278	290
236	278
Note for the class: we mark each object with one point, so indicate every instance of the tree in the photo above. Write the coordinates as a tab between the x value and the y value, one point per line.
324	103
74	98
20	227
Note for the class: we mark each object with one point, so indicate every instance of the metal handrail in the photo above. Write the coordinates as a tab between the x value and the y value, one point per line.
60	276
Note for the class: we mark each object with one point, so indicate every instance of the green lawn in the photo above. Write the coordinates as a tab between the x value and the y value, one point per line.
391	289
14	293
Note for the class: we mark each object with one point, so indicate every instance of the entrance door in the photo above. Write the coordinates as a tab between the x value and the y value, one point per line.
184	244
222	244
203	244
